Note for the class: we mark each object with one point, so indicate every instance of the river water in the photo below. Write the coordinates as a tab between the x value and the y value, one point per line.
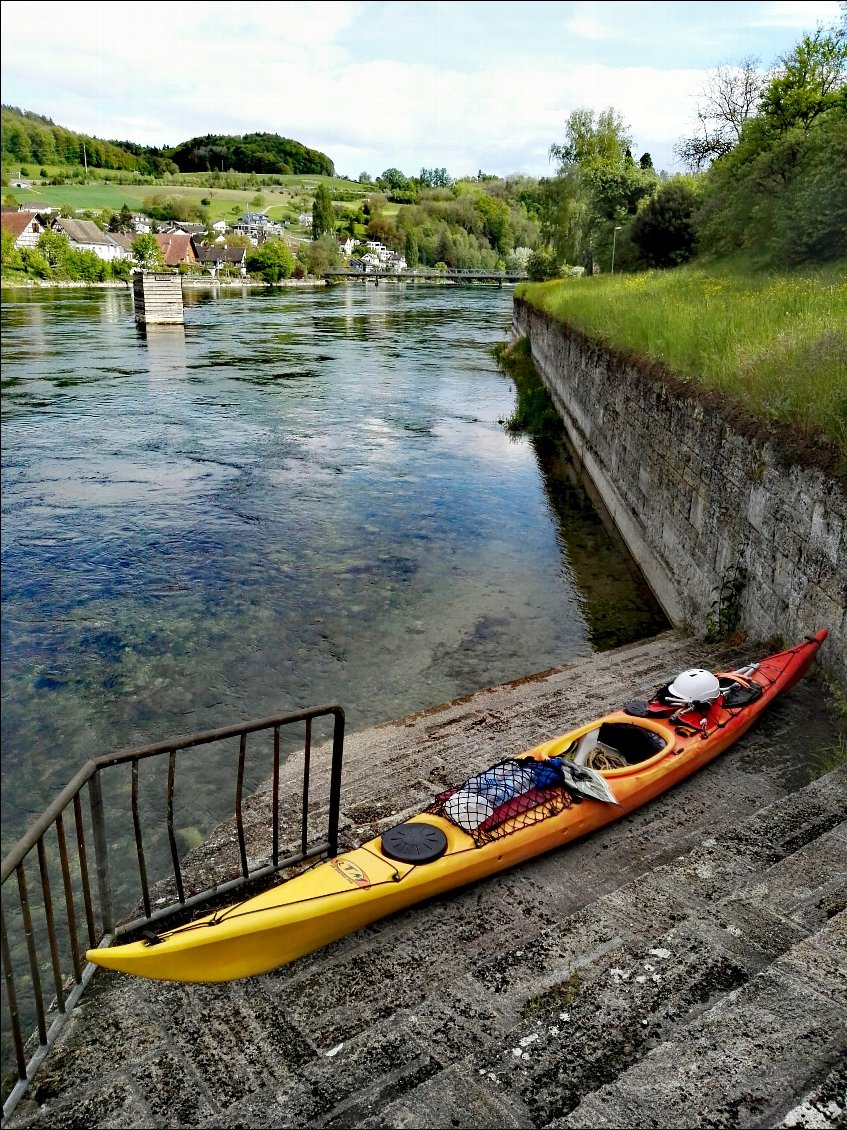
302	497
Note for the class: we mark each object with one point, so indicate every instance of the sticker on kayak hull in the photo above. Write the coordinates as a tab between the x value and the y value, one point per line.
351	872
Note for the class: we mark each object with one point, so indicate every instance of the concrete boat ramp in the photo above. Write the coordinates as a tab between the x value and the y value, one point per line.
684	967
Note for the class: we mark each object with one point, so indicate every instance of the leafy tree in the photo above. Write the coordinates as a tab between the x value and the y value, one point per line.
173	206
385	231
434	178
646	161
616	191
54	247
147	252
323	216
598	185
495	215
250	153
34	263
365	178
567	221
121	221
592	140
781	192
542	264
518	258
320	255
273	261
236	239
395	180
663	231
11	255
120	269
809	82
85	265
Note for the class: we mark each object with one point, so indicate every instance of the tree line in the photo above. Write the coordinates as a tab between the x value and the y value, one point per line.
767	178
28	138
768	173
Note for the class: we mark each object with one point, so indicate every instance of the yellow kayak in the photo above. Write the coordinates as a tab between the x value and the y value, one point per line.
519	809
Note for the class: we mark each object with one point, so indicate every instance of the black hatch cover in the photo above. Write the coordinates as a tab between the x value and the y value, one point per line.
414	843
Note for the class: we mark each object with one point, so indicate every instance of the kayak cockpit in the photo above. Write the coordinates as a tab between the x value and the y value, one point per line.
615	745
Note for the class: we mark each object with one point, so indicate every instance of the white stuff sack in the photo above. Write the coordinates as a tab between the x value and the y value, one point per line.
468	809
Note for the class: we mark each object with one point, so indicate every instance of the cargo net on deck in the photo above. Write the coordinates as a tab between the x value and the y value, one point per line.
505	798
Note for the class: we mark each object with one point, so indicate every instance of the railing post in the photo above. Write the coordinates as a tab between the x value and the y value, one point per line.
101	853
335	780
12	997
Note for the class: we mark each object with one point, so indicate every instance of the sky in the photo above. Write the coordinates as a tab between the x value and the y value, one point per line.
462	86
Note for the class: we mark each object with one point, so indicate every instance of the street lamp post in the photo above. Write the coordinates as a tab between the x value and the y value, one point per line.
614	240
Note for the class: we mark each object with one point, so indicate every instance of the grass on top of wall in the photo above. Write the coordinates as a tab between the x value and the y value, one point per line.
774	346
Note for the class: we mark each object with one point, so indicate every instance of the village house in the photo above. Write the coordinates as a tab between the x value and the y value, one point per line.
84	235
188	228
125	241
217	257
346	245
257	227
176	248
24	226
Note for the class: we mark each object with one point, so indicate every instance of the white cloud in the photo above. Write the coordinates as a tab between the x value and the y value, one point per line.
587	27
803	15
374	84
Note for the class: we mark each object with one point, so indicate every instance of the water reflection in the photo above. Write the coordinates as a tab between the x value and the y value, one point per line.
300	497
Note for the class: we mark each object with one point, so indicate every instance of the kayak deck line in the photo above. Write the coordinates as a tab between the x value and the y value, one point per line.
485	825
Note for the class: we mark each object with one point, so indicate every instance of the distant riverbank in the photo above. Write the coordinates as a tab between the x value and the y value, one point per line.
188	283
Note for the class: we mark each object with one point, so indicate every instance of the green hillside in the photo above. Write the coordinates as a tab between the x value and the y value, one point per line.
251	153
31	139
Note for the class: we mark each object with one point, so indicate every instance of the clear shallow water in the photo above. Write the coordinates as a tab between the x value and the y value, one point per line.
302	498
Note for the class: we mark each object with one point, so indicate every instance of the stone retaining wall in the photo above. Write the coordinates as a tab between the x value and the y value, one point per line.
697	499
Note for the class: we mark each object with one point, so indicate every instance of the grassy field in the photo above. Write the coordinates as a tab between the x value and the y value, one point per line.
282	201
775	346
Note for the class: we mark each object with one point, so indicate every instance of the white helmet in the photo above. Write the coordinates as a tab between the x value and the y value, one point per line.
695	685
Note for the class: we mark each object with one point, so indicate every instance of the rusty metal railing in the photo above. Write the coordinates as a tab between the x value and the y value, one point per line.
53	909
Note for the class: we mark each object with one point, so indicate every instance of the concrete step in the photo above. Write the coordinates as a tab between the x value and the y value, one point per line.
682	967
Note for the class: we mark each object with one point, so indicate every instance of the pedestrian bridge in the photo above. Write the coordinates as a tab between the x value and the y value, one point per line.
455	276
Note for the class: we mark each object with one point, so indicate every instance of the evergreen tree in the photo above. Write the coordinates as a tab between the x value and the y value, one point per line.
663	231
323	216
412	253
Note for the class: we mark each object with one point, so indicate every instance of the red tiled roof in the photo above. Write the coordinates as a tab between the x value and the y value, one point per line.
176	248
17	222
